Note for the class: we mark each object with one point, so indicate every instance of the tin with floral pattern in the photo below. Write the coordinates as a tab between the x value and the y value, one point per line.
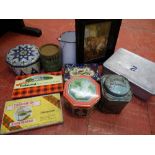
81	94
24	59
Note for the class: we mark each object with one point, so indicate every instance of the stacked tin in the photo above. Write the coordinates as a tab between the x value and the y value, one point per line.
139	71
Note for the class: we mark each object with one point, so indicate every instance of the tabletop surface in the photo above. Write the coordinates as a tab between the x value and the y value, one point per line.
138	117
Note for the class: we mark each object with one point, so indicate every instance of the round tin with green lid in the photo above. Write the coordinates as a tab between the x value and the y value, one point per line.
50	57
116	93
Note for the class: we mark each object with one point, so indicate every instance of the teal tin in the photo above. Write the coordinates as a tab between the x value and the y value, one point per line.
116	93
50	57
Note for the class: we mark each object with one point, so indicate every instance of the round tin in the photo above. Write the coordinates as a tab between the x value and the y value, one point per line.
81	94
24	59
50	57
116	93
67	42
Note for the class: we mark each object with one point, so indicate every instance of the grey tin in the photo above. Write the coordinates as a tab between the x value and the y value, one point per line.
138	70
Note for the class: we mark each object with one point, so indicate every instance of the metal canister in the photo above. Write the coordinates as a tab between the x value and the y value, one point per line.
138	70
81	94
24	59
116	93
50	57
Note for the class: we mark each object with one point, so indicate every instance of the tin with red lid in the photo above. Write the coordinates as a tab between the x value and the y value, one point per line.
81	94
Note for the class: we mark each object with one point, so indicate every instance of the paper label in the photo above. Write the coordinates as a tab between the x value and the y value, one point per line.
38	80
31	113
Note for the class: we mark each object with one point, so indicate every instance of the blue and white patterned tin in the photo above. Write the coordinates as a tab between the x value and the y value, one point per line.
24	59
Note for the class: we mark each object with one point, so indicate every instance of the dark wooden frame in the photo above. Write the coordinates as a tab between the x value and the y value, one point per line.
80	29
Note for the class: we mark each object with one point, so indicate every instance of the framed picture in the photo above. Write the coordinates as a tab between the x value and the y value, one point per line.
96	39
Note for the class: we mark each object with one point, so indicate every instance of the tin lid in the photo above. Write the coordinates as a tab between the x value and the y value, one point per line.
83	70
138	70
23	55
49	50
116	85
82	91
68	37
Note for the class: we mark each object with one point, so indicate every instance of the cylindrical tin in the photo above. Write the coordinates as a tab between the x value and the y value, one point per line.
24	59
68	47
81	94
50	57
116	93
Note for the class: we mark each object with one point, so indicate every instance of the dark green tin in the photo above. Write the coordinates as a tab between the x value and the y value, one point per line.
50	57
116	93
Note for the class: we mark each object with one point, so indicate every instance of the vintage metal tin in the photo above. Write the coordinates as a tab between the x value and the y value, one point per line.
116	93
138	70
24	59
67	42
50	57
91	70
81	94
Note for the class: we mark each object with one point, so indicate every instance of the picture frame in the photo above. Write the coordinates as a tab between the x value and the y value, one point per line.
96	39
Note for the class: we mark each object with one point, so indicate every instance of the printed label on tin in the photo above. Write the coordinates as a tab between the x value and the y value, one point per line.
38	80
32	112
82	90
74	70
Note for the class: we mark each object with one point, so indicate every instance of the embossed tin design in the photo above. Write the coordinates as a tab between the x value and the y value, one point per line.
81	94
139	71
24	59
116	93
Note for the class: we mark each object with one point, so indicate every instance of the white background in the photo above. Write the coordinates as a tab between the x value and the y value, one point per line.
77	9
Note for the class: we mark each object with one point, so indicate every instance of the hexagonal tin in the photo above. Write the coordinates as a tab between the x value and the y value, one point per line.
81	93
116	93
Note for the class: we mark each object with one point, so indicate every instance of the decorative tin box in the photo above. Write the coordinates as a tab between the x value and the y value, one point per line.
116	93
28	113
37	84
138	70
50	57
81	94
24	59
73	70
